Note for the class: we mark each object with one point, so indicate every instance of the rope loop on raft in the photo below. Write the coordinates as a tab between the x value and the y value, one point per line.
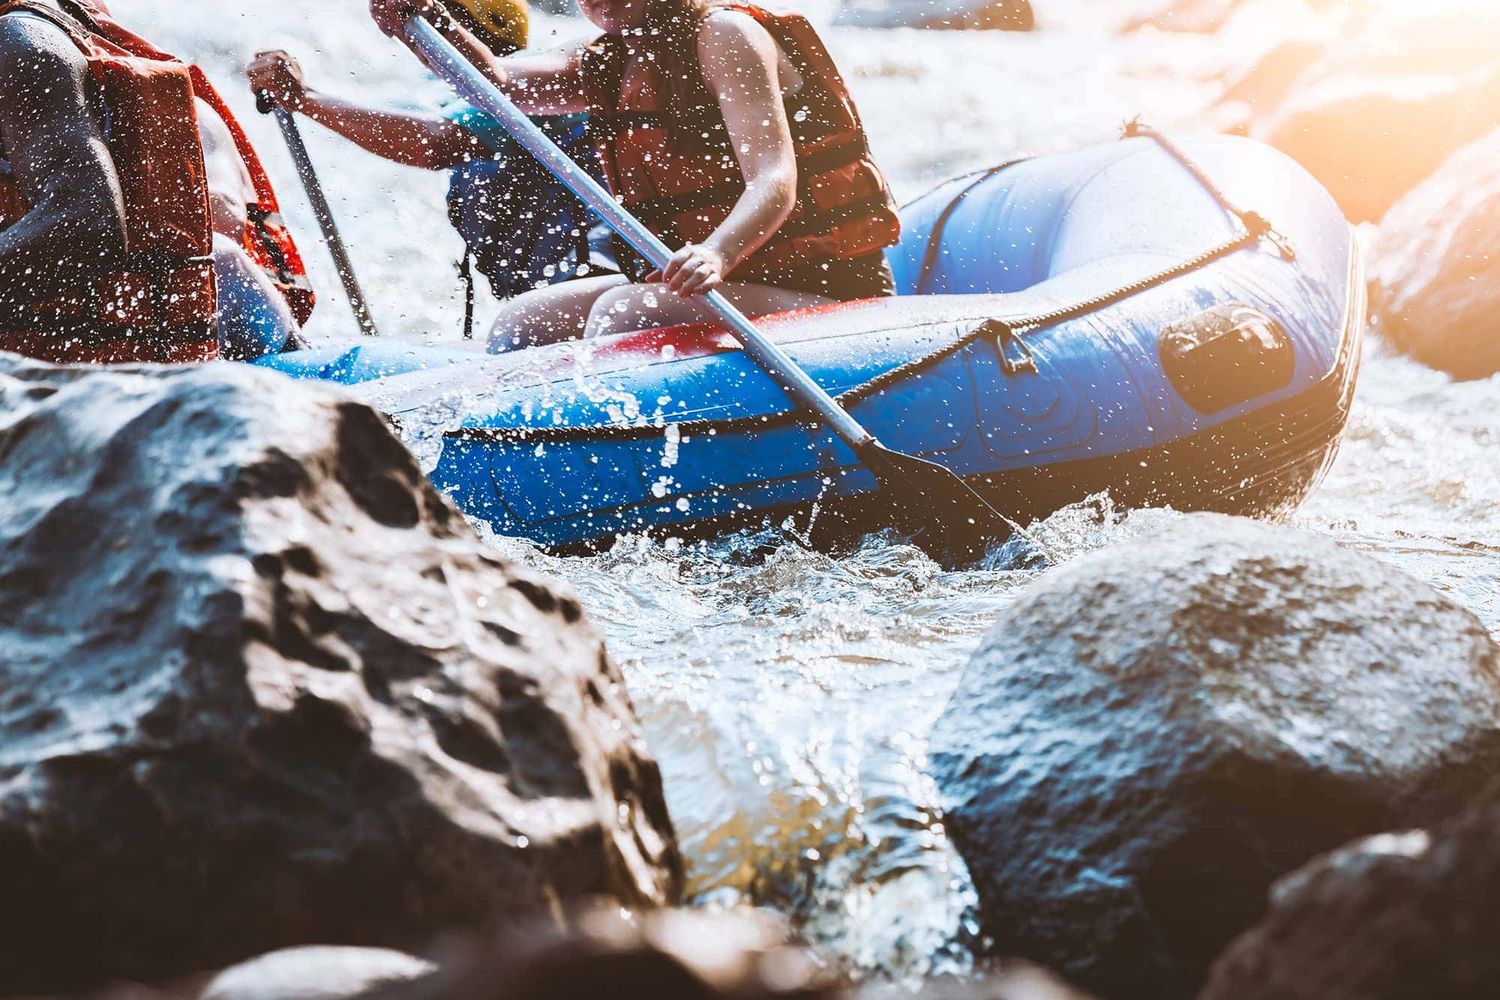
1255	223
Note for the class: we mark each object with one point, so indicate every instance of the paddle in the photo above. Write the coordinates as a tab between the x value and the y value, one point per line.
931	496
268	105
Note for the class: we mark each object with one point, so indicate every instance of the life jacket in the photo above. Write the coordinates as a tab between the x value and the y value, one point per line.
521	228
684	181
160	307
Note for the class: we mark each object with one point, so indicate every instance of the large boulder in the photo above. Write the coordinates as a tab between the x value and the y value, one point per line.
1435	268
262	686
1154	733
1265	87
1384	107
1395	917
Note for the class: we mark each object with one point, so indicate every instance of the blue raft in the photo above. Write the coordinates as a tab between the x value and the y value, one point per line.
1068	325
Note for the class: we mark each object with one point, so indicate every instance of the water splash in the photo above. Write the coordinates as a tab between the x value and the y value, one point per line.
788	695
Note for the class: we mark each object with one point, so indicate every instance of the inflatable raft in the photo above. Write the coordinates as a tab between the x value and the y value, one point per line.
1104	320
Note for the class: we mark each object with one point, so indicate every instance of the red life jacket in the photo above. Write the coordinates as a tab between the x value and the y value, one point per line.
161	306
684	181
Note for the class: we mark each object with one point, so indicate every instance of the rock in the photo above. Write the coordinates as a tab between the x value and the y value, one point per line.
1015	981
1395	917
317	973
262	686
668	955
982	15
1435	267
1386	106
1154	733
1267	85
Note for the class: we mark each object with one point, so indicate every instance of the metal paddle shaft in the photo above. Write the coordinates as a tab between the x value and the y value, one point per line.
324	212
930	491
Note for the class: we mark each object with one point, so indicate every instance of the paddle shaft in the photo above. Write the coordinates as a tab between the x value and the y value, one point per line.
322	210
473	86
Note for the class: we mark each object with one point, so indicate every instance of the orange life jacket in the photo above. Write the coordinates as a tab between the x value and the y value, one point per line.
266	239
683	180
160	307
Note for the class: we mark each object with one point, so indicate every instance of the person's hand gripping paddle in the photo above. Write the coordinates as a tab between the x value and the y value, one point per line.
267	104
944	512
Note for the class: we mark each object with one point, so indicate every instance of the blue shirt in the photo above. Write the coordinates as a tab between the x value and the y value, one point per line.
561	129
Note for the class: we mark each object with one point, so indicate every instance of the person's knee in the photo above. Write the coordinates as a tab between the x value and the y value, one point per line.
230	259
623	309
531	322
253	318
549	315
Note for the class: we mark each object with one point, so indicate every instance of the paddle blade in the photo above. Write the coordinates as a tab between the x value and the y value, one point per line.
937	506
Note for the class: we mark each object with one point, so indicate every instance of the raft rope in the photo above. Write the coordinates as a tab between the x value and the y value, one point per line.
1007	332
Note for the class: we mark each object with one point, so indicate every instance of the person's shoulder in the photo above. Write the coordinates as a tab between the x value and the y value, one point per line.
728	29
35	45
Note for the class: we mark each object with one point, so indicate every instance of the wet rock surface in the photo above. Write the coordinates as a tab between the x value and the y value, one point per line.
1154	733
1435	269
1014	981
1394	917
1386	104
667	955
317	973
262	686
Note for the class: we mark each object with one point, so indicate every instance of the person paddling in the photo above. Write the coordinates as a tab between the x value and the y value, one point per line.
107	247
519	226
730	132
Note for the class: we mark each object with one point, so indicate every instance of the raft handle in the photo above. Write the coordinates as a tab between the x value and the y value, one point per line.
1015	354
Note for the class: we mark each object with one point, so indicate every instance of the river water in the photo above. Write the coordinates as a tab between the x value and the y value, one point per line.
787	693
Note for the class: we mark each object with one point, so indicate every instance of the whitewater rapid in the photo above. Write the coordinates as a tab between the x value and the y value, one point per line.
788	694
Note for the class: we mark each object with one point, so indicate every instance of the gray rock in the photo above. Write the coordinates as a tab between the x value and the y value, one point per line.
667	955
1397	917
317	973
262	686
1154	733
1014	981
1435	269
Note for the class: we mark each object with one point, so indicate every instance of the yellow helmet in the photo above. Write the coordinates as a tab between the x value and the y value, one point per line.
500	24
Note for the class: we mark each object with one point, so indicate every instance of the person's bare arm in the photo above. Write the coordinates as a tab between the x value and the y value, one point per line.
76	223
542	83
230	188
424	141
740	62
